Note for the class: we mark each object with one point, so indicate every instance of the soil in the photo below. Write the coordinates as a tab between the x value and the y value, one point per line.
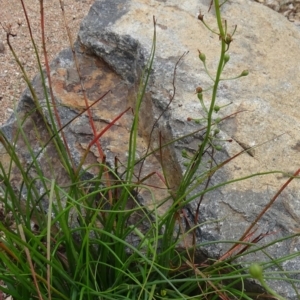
12	15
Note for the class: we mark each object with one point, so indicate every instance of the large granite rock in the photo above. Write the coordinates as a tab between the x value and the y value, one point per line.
113	45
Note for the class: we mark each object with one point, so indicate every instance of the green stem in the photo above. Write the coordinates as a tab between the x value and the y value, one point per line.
268	289
198	157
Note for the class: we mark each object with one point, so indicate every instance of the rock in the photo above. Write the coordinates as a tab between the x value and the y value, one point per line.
289	9
113	45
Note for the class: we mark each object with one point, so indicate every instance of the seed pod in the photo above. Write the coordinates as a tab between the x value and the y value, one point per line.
199	89
244	73
200	17
228	39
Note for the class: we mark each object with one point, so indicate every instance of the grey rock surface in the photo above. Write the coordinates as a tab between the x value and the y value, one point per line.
113	45
289	8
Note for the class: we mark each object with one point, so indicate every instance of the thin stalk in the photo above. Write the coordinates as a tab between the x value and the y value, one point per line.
69	159
49	237
28	255
142	89
198	157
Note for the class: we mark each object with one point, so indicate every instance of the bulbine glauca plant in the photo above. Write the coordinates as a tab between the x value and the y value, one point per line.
209	120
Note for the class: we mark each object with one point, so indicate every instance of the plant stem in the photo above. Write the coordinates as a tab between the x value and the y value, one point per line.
198	157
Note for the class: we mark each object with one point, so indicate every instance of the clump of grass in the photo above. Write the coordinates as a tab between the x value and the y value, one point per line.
112	251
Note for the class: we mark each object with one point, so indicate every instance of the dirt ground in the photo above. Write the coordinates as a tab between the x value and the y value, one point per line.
11	14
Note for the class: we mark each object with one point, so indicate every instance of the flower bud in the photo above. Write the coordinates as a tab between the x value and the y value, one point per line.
226	58
216	131
186	163
202	57
217	120
256	271
245	73
200	96
217	108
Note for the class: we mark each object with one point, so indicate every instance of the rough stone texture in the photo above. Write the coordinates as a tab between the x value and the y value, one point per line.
289	8
114	42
